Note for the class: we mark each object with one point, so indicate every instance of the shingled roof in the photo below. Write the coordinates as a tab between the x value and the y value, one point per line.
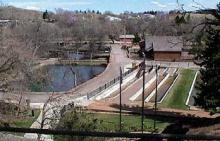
126	36
164	43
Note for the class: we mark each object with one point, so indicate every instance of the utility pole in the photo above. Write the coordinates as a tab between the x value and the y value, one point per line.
142	111
120	98
155	101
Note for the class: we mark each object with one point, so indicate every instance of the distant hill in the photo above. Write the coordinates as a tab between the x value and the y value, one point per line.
13	13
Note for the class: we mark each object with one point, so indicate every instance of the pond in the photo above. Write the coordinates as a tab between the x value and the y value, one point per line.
66	77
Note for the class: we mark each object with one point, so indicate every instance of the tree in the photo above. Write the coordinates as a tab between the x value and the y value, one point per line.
50	113
111	37
79	120
45	15
209	95
137	39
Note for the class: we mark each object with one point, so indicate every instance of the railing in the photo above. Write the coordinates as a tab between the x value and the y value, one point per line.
128	135
68	61
109	84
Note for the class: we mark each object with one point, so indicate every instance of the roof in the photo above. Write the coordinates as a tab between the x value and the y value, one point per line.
164	43
111	18
127	36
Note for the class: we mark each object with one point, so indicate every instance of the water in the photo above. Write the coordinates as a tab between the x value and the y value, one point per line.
62	77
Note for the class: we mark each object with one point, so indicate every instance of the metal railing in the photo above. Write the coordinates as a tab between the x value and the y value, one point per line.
145	136
110	83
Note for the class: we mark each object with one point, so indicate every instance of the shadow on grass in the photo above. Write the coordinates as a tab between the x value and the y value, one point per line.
173	117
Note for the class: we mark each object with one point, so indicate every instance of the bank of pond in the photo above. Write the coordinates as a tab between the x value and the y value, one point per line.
65	77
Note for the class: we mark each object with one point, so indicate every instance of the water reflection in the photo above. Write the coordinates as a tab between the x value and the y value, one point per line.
64	77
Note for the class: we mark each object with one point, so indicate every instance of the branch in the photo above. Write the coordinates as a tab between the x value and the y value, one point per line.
8	64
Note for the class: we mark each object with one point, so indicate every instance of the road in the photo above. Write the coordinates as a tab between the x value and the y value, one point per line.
118	58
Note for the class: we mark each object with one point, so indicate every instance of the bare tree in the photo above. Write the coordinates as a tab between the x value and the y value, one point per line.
50	113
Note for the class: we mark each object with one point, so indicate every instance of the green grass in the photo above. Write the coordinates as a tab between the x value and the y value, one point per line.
131	123
108	122
176	98
25	122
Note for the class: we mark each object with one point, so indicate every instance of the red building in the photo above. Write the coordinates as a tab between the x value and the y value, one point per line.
164	48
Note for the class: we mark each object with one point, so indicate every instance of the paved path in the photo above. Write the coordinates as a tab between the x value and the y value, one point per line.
10	137
186	65
118	58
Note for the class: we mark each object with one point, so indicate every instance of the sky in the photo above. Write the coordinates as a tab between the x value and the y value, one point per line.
115	6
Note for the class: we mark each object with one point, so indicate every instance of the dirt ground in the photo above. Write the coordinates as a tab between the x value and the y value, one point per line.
213	130
106	106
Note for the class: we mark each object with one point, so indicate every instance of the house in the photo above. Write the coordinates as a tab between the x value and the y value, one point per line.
111	18
126	40
6	23
163	48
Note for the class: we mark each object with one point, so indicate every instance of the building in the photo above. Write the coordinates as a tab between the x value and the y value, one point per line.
164	48
126	40
111	18
6	23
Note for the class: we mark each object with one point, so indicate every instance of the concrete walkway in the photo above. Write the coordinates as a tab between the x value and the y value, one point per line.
166	64
10	137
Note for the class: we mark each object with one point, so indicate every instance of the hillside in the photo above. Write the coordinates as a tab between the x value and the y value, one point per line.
13	13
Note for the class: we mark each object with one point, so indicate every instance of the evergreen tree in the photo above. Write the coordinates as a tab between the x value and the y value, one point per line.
98	12
209	95
79	120
137	39
45	15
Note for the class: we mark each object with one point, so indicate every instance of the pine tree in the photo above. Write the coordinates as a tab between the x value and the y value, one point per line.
137	39
45	15
209	95
209	87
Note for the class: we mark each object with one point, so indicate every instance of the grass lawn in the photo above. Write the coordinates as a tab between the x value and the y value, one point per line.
106	122
25	122
177	96
109	122
131	123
